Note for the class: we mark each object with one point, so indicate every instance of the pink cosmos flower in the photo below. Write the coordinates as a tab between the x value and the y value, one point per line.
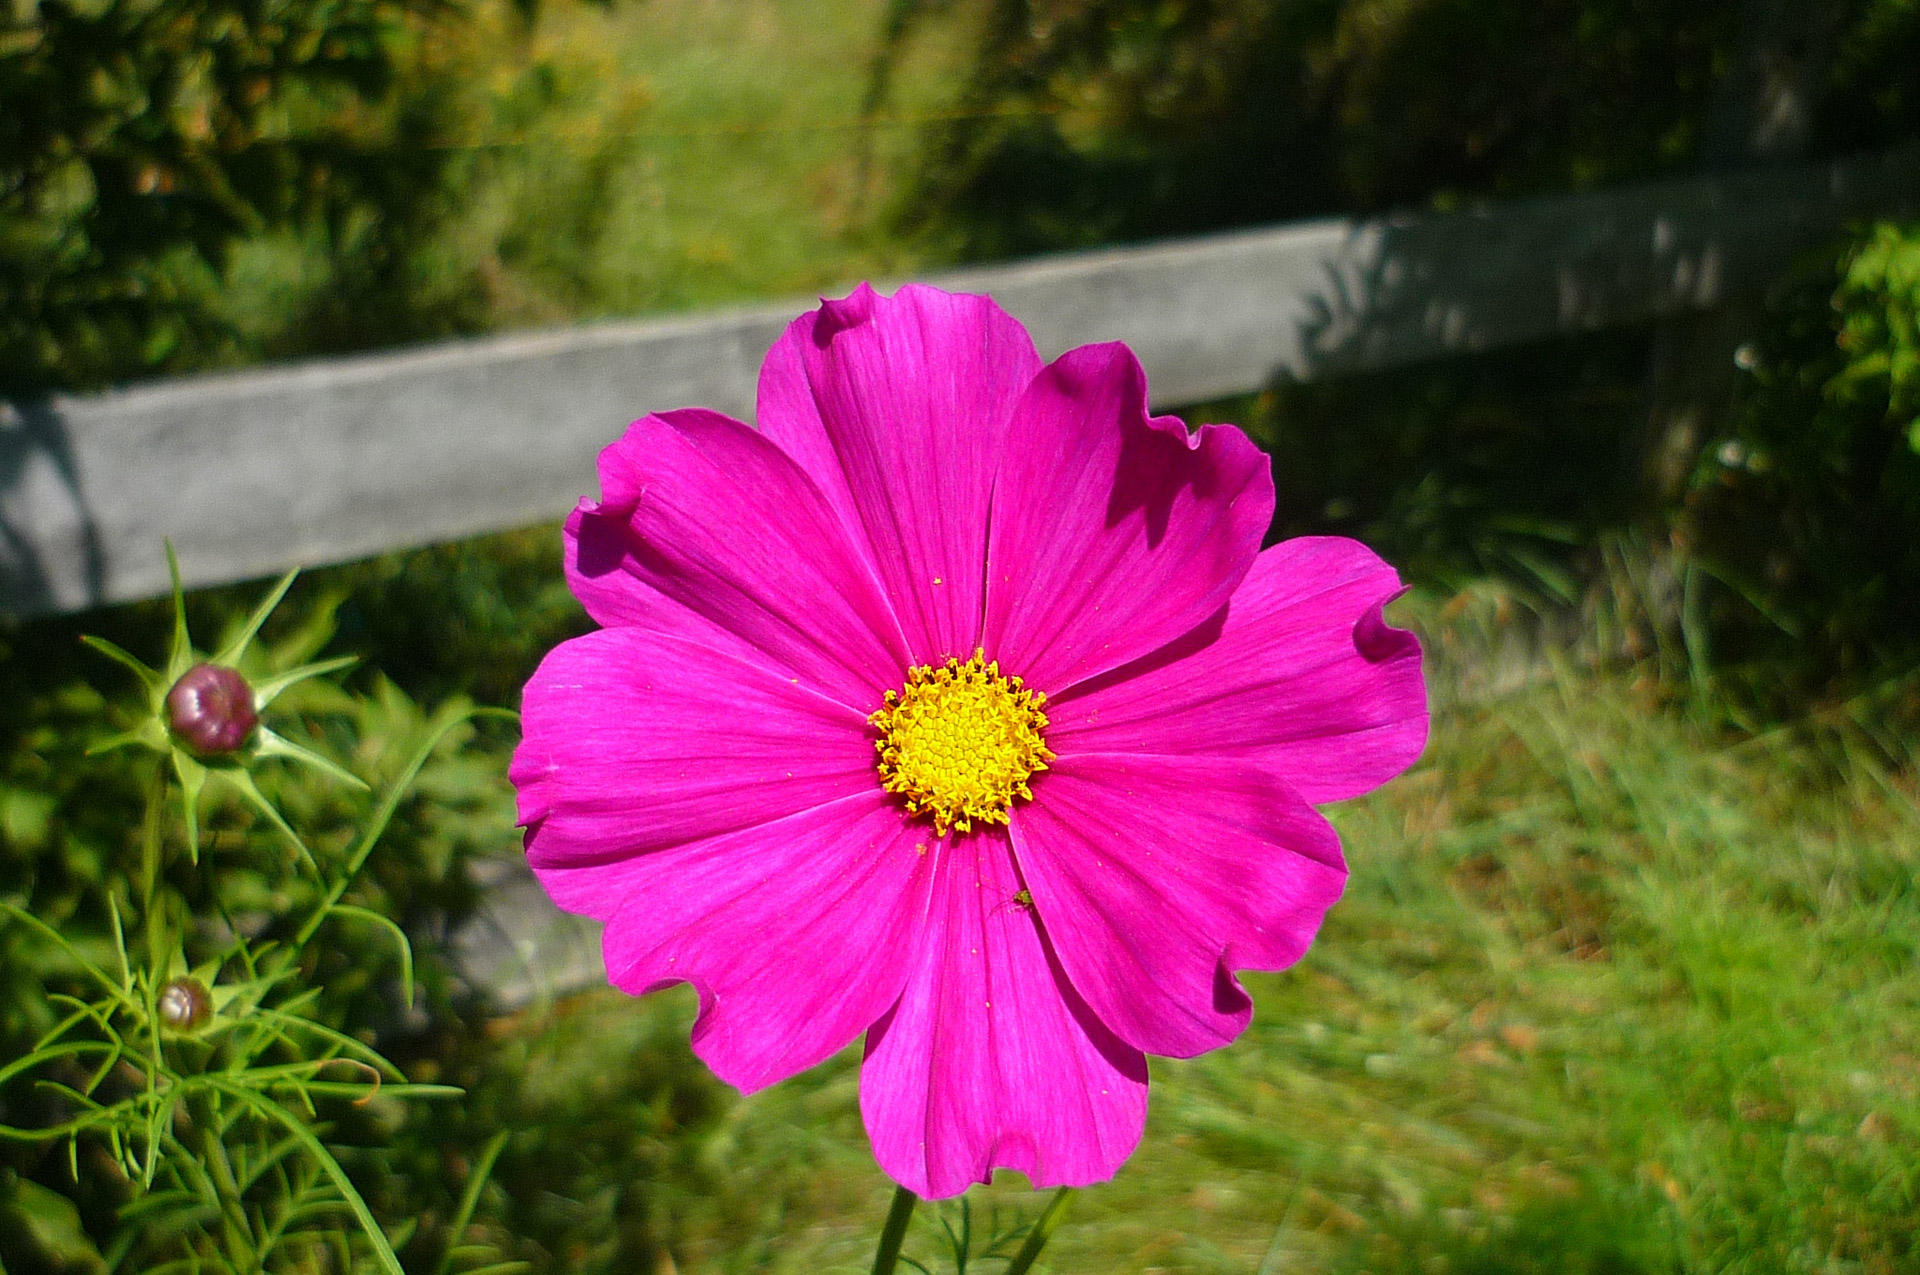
957	705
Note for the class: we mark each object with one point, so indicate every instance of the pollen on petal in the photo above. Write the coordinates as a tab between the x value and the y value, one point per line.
960	741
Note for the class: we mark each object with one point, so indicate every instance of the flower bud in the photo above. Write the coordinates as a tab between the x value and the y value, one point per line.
210	710
184	1004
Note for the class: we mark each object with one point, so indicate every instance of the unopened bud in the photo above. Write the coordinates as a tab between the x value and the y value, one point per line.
210	709
184	1004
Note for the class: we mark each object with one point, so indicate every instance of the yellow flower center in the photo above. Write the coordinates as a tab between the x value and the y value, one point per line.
960	741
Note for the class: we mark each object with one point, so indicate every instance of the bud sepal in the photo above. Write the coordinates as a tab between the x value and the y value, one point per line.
205	715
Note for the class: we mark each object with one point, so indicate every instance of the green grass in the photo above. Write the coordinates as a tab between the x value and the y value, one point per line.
1612	990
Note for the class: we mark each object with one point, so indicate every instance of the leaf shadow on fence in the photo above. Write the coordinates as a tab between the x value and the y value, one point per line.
1507	411
1401	289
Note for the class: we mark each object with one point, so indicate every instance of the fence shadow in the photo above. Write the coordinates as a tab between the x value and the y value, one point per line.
51	551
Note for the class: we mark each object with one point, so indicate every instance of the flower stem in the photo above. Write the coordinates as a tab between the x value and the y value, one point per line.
894	1233
213	1157
152	867
1042	1231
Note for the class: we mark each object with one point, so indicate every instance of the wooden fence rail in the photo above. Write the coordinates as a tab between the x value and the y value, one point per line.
252	472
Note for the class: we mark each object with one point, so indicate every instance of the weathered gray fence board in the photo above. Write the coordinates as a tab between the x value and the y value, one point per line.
252	472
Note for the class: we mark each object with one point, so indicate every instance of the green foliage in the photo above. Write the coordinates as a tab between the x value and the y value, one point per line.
1879	301
472	618
191	1028
440	169
1110	119
1012	1247
1808	508
141	139
69	815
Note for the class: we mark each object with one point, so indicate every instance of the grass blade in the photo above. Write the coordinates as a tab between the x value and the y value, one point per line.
470	1198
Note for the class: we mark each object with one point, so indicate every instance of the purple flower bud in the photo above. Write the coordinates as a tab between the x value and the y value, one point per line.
210	710
184	1004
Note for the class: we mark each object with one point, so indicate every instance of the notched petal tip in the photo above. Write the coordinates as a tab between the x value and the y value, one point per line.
533	799
1377	641
1230	999
851	311
619	467
707	1040
596	538
919	304
1174	427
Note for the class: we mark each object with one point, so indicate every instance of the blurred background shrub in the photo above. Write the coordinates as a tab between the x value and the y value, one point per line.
141	140
1091	120
1807	507
1801	516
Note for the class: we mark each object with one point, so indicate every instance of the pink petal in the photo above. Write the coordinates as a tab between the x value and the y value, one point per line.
619	599
1113	533
709	515
898	407
787	412
796	934
990	1059
633	741
1157	877
1303	678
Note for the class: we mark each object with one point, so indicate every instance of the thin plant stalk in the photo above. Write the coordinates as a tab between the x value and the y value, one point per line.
384	815
152	866
894	1233
1042	1231
213	1157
